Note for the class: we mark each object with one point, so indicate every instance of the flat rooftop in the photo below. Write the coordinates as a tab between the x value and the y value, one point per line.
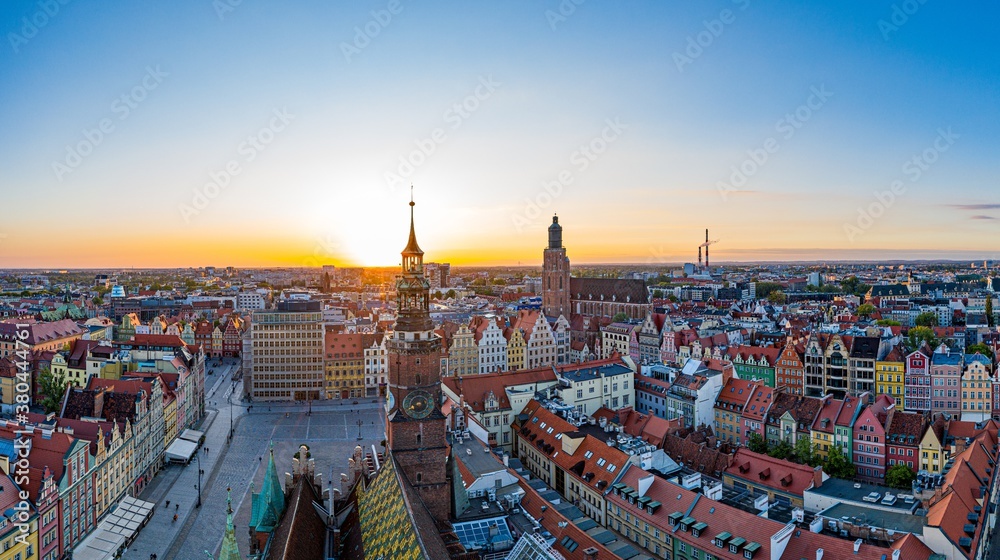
858	515
844	491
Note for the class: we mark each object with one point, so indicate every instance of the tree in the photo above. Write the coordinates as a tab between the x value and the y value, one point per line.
657	294
927	319
98	300
887	323
777	297
438	294
982	349
764	289
619	317
866	310
673	298
837	464
899	476
51	389
783	450
450	294
917	336
757	443
804	450
852	285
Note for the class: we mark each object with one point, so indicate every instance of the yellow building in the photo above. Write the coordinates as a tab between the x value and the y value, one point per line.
463	354
932	454
76	376
16	544
977	398
515	350
344	366
169	419
890	375
824	426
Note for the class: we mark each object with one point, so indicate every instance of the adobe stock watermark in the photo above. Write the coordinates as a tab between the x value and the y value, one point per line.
225	7
326	248
121	108
913	170
580	161
248	150
899	17
562	12
454	116
365	34
786	127
713	29
33	24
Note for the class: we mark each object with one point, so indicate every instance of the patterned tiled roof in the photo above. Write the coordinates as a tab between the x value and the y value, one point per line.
387	529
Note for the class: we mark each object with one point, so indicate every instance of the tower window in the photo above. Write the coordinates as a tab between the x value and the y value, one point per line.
417	379
420	477
420	439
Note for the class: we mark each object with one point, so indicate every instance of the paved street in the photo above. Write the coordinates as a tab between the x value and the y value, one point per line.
331	432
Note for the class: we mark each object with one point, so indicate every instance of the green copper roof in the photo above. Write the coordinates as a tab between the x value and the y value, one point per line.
386	526
267	506
230	551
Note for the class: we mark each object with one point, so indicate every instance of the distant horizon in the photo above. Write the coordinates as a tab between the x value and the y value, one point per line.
668	264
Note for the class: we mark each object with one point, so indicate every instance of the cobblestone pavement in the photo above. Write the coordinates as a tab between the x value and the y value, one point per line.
330	431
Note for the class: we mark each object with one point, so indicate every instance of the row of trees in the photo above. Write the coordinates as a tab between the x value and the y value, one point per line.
834	464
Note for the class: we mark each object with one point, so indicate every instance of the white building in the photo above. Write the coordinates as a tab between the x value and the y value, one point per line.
491	344
376	365
249	301
541	344
591	385
561	333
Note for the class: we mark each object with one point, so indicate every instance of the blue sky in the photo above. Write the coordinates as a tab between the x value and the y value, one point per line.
322	181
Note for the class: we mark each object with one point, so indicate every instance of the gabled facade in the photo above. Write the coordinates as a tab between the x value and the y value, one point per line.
824	426
917	382
946	381
977	388
890	373
790	370
869	440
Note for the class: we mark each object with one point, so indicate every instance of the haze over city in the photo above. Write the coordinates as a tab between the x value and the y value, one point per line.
257	133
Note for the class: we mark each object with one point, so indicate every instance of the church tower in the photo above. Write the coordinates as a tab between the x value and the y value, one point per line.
555	274
416	426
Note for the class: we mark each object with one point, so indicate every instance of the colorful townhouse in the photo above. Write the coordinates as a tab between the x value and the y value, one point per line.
890	371
790	417
869	438
790	369
906	430
16	544
843	432
754	363
756	409
824	426
728	410
946	381
977	388
917	382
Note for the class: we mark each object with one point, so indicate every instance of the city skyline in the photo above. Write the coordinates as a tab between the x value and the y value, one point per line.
856	132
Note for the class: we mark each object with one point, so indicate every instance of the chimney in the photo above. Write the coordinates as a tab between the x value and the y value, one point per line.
895	554
817	477
857	546
819	554
590	554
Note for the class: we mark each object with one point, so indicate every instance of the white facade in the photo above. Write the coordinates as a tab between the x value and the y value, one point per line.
541	348
249	301
561	335
376	366
492	349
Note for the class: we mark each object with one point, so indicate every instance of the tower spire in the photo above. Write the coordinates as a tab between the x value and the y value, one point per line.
230	550
411	246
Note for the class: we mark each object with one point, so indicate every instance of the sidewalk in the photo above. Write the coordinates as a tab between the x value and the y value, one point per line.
178	483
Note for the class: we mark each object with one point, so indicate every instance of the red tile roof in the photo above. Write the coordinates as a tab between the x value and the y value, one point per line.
780	475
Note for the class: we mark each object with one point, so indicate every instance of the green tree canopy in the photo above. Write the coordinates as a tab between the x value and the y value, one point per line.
804	450
917	336
990	319
837	464
777	297
927	319
764	289
51	390
887	323
673	298
899	476
657	294
619	317
782	450
982	349
866	310
450	294
757	443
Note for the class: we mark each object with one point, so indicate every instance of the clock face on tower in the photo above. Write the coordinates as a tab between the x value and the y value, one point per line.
418	404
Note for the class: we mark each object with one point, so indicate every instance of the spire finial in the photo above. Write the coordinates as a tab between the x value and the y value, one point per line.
411	195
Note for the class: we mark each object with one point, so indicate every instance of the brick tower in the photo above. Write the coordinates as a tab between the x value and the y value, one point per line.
416	426
555	274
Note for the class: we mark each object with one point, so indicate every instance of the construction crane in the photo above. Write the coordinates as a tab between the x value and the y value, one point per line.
706	244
